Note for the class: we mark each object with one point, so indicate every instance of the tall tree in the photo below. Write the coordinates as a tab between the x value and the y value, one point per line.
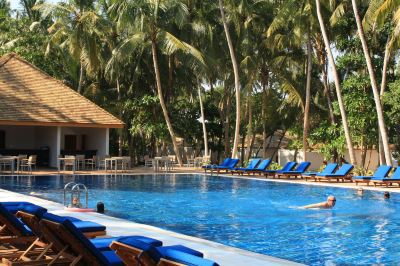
236	77
345	124
375	90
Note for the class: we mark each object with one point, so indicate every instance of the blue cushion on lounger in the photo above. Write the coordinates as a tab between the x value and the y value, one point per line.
87	226
58	219
180	248
112	258
104	243
102	259
14	221
151	241
187	259
34	209
14	207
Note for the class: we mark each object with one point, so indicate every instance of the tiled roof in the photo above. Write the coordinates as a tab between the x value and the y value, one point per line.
28	96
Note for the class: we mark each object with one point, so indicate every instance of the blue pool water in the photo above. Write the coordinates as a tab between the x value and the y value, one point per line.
255	215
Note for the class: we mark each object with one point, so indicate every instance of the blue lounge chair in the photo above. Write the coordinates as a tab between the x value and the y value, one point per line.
288	166
78	247
169	256
251	166
341	174
329	169
259	169
225	163
380	173
301	168
90	229
231	165
388	181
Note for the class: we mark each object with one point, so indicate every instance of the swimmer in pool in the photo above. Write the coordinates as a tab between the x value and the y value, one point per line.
328	204
75	203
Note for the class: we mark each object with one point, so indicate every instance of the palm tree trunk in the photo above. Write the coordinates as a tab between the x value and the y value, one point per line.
383	87
378	105
237	80
337	86
249	127
162	103
80	78
203	123
306	125
120	131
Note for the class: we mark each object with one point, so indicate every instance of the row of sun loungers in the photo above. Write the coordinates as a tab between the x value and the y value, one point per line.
331	172
29	235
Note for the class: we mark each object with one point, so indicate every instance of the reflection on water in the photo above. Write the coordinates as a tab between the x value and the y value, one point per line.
259	216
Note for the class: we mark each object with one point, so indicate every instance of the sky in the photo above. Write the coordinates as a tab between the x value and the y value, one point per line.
15	3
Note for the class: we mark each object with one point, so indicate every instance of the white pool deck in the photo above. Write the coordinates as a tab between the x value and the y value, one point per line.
222	254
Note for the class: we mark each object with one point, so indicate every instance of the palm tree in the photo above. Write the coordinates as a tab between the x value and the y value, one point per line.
236	77
337	85
378	105
144	26
78	28
203	122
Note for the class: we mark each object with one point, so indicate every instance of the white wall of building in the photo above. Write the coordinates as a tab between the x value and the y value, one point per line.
95	138
316	159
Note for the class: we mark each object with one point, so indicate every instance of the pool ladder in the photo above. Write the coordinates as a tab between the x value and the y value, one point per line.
74	189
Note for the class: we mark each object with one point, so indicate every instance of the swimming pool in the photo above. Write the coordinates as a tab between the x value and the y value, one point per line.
255	215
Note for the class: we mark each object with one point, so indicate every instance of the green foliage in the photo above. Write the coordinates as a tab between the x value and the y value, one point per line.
275	166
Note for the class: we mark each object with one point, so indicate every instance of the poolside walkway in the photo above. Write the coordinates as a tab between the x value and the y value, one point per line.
222	254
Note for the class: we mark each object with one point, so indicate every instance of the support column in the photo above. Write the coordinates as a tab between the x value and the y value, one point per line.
107	141
58	146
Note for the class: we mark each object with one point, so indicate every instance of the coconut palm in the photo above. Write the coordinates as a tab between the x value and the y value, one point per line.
337	84
144	23
236	77
378	105
78	28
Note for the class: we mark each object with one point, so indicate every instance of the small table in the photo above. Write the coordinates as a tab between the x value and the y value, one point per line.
112	160
11	160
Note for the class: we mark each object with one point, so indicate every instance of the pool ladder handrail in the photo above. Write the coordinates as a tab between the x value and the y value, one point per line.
75	188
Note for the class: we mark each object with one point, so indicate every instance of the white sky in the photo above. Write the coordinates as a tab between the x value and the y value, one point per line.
15	3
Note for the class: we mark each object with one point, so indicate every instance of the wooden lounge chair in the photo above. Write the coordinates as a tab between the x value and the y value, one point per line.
82	250
388	181
152	256
342	174
329	169
301	168
251	166
288	166
31	216
380	173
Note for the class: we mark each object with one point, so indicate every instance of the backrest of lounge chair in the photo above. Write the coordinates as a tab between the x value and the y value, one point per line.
81	245
344	169
396	173
253	164
264	164
329	168
226	162
382	171
187	259
12	223
302	167
31	216
233	163
289	166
